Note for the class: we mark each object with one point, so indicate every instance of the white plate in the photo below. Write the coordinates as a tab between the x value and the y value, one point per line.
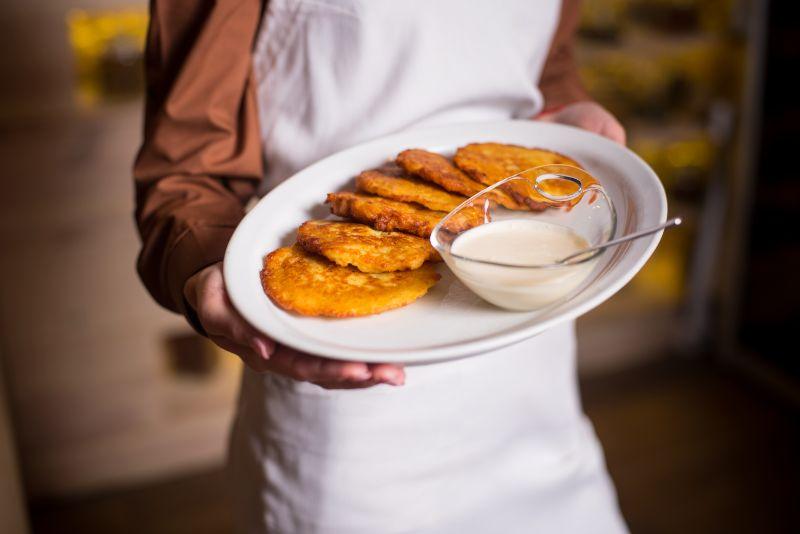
450	321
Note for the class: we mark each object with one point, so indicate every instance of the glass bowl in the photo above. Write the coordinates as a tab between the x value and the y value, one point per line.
505	242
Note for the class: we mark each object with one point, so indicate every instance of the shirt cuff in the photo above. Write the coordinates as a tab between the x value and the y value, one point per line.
189	255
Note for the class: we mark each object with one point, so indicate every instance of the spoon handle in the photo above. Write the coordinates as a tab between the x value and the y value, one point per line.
636	235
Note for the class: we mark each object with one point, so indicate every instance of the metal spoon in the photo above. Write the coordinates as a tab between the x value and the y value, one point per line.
636	235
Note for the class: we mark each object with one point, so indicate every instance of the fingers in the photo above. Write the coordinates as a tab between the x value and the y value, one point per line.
333	374
589	116
614	131
255	361
388	373
225	327
221	321
206	292
332	370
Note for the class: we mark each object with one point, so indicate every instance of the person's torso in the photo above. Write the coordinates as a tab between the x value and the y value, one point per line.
333	73
487	432
477	445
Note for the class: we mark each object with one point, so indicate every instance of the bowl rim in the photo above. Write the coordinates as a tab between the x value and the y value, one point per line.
596	187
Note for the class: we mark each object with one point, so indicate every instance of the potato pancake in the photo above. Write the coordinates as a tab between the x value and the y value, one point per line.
302	282
383	214
489	163
370	251
436	168
399	186
390	215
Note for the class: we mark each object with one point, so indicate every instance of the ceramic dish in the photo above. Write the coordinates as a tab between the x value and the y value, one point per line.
450	321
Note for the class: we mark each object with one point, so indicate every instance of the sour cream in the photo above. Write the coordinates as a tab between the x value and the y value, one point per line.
526	280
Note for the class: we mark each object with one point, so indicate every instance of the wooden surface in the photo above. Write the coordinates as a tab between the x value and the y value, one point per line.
690	447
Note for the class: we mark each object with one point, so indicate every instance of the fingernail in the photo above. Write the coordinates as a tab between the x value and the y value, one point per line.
363	374
260	347
394	378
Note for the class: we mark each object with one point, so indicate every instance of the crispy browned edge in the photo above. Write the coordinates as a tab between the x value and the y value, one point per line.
387	219
448	176
480	176
364	178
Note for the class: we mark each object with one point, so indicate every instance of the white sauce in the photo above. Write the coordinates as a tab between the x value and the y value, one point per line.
524	244
518	242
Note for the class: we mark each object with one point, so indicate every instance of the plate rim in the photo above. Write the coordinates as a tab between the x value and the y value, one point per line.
454	350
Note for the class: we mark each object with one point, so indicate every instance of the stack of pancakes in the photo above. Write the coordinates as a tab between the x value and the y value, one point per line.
380	257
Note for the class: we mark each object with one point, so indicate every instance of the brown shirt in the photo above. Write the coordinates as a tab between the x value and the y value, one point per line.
201	160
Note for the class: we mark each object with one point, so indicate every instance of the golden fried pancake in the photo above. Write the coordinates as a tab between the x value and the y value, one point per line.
383	214
370	251
489	163
436	168
305	283
390	181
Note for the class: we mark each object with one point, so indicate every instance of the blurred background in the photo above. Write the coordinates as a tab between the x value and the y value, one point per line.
114	415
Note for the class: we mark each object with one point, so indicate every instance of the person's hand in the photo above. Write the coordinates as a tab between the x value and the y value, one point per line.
589	116
205	293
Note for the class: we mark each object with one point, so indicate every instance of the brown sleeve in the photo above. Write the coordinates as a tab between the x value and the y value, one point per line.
201	155
560	82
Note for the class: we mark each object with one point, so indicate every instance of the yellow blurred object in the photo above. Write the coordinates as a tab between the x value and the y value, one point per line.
656	76
663	279
694	153
602	19
108	48
682	159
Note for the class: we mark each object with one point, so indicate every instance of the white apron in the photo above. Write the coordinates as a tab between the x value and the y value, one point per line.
497	443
